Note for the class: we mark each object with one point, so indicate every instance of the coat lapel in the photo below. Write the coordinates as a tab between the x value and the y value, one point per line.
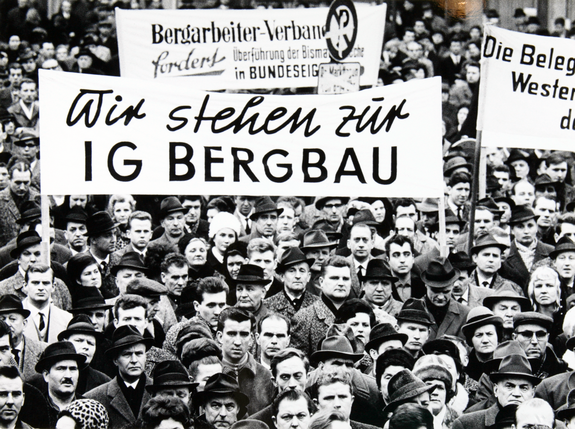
118	401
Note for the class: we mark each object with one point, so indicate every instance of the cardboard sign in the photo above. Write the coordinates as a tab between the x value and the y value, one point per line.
338	78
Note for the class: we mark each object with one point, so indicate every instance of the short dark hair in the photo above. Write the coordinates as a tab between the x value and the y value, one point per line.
210	285
292	395
564	218
411	416
37	268
129	301
10	371
27	80
392	357
161	408
555	158
334	261
4	329
351	307
400	240
237	315
277	316
403	202
286	354
175	259
459	176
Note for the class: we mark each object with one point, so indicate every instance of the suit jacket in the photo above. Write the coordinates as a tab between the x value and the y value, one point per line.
452	322
57	322
514	268
60	297
310	326
356	288
21	118
477	294
31	353
9	214
279	303
110	395
109	288
497	283
478	419
447	69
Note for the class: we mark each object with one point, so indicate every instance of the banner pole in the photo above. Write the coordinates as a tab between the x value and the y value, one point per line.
474	190
45	208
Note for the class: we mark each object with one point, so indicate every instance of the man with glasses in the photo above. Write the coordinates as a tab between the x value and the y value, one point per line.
331	209
532	332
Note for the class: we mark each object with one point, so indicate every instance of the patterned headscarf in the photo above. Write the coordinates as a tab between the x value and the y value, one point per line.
88	413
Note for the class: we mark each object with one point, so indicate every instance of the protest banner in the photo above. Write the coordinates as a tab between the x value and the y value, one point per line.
243	49
527	90
114	135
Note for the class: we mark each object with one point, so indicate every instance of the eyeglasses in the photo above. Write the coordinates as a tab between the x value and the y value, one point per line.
529	334
535	426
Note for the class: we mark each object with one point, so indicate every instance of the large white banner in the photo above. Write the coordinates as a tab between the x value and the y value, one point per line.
242	49
117	135
527	90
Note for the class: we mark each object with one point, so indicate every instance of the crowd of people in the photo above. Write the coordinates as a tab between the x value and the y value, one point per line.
194	311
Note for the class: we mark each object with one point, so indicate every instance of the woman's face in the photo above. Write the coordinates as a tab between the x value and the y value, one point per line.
521	168
14	43
484	339
378	210
462	115
122	212
196	252
223	238
545	291
438	396
286	221
91	276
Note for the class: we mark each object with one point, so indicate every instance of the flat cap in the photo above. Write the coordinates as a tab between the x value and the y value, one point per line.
146	288
532	318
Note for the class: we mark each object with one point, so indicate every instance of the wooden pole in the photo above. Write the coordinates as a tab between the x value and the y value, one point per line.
474	190
45	207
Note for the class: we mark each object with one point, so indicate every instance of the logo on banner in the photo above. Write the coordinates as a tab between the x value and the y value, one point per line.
341	29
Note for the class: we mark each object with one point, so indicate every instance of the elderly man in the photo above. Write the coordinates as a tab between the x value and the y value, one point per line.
60	366
294	269
223	402
331	209
564	258
76	232
310	324
317	246
514	383
125	394
377	285
264	219
532	332
506	303
250	291
172	215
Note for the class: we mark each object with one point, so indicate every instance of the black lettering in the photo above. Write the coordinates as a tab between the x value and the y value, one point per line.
306	165
88	161
288	167
185	160
341	171
85	111
244	163
183	120
393	173
209	160
135	162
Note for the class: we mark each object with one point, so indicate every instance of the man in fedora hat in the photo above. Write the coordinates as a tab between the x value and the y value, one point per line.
59	366
172	219
464	292
331	209
487	255
311	324
171	380
404	387
102	236
250	290
264	219
564	258
448	314
129	267
377	286
506	303
414	321
11	199
25	350
46	320
236	334
28	251
525	249
262	252
294	270
317	246
125	394
223	401
383	337
91	303
514	383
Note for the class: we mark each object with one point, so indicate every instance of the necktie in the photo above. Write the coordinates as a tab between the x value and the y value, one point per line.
104	266
485	284
461	300
42	324
16	354
459	213
247	226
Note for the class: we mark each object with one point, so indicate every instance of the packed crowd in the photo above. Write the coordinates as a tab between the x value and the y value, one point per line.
226	312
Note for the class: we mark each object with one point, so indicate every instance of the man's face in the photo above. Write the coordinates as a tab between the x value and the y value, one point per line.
4	178
415	50
360	324
557	172
125	276
292	414
524	194
388	373
336	396
452	232
131	362
286	221
175	279
173	224
409	36
409	211
40	287
417	335
48	50
266	224
20	182
565	264
62	378
98	318
106	242
546	210
455	48
85	345
377	291
5	351
473	74
513	391
533	339
525	232
135	317
332	210
503	179
360	242
236	339
194	210
221	411
140	233
483	221
459	193
28	92
319	254
506	309
291	374
15	75
205	371
27	149
78	201
76	235
266	261
273	337
405	226
336	283
250	296
567	230
460	285
11	399
211	306
439	297
234	263
437	397
488	260
29	256
16	322
400	259
506	215
245	204
296	277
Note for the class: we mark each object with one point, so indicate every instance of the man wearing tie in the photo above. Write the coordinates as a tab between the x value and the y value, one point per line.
360	243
